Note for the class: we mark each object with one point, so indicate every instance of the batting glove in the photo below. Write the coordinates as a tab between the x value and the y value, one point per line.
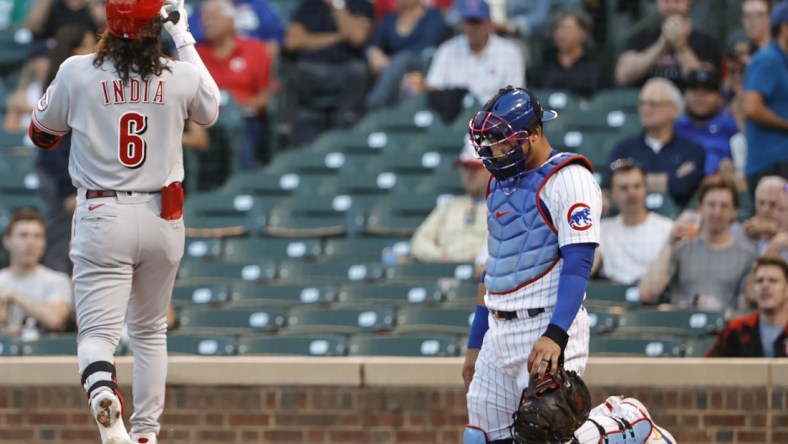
177	23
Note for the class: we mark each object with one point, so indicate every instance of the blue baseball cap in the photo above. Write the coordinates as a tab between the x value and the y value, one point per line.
475	10
780	13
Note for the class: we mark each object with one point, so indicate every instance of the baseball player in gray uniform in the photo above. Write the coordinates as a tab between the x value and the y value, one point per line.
126	105
543	210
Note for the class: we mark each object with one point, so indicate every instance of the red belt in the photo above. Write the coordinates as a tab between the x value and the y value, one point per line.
95	194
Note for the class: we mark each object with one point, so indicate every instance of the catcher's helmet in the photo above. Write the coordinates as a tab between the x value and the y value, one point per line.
126	17
510	116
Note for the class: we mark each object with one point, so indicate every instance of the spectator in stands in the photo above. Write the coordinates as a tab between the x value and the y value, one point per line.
55	187
760	228
325	39
242	67
33	298
673	164
456	230
766	104
398	46
778	244
513	18
574	64
47	16
29	89
632	239
763	333
755	32
477	60
671	49
703	266
254	19
704	120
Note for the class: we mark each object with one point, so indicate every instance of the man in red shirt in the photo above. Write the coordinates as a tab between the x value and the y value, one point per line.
763	333
241	67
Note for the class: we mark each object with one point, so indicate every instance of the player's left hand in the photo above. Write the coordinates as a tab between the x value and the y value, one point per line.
544	357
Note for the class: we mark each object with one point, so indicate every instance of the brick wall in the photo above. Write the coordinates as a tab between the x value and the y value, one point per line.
55	411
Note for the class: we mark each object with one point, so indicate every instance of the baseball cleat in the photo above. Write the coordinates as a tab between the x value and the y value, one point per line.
658	434
144	438
106	409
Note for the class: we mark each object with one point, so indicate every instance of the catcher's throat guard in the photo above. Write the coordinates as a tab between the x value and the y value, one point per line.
551	409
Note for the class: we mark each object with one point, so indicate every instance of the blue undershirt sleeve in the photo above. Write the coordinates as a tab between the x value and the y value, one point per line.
578	259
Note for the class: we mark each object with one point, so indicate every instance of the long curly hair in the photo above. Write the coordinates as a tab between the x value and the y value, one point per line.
142	55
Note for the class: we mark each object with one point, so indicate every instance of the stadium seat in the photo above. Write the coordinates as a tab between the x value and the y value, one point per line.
304	345
436	320
557	99
19	182
635	347
201	344
443	182
218	215
396	294
360	184
430	271
685	322
360	142
413	164
313	217
201	294
462	295
15	43
602	293
623	99
253	294
304	162
10	347
602	320
341	320
240	249
697	348
271	186
217	272
202	248
233	320
399	215
401	120
50	345
330	271
422	345
662	203
448	142
368	248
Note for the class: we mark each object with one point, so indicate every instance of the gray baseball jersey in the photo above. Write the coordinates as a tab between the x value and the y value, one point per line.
124	137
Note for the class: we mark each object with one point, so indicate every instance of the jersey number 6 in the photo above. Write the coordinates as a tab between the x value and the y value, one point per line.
131	145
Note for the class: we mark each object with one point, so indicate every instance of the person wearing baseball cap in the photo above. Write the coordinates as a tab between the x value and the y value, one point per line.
766	104
456	230
704	120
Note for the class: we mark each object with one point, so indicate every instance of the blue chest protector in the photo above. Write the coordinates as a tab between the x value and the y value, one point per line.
523	241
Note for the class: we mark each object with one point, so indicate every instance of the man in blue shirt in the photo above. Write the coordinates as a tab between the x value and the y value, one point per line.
766	103
704	121
257	19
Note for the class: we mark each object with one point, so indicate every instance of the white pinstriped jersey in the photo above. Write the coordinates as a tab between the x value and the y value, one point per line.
574	200
124	137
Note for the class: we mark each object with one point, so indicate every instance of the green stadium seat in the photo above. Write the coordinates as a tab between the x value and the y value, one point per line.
635	347
359	184
401	120
602	320
10	203
9	140
233	320
623	99
341	320
19	182
462	295
361	142
217	215
557	99
202	248
685	322
311	217
662	203
201	344
302	345
332	270
253	294
416	164
240	249
50	345
201	294
10	347
448	142
216	272
271	187
697	348
369	248
15	43
423	345
443	182
399	215
436	320
303	162
396	294
430	271
601	293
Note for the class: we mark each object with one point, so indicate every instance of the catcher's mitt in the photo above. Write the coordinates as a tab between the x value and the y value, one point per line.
551	409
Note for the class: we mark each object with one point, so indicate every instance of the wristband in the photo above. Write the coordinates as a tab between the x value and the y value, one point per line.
479	327
184	39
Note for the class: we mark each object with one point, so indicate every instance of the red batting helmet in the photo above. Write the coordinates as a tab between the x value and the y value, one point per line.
126	17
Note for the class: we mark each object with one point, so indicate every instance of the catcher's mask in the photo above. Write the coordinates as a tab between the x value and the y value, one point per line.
508	118
125	18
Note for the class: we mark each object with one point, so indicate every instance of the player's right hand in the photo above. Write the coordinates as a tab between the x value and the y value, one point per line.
469	365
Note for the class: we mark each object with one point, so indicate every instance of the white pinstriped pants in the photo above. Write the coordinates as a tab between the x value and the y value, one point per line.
501	372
